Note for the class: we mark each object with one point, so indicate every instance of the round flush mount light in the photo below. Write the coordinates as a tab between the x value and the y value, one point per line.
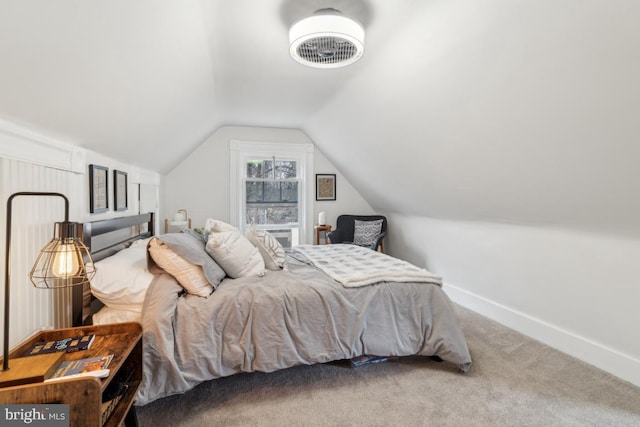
327	39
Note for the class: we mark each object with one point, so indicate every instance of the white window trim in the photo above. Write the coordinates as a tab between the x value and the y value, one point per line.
242	150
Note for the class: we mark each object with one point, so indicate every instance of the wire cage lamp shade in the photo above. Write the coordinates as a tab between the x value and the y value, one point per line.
65	261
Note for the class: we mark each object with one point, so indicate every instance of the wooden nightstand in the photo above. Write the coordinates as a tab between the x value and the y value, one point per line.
322	230
84	395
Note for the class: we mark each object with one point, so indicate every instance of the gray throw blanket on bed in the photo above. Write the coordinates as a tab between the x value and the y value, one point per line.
354	266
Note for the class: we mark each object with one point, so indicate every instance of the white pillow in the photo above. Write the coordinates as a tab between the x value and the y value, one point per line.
121	280
271	250
235	254
108	315
190	276
213	226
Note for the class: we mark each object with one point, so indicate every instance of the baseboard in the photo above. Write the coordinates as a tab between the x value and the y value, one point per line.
614	362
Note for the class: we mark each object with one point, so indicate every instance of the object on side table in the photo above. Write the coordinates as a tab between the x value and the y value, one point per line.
180	219
60	264
27	370
322	218
89	366
69	345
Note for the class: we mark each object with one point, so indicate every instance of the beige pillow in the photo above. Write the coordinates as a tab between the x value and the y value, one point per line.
214	226
235	254
271	250
190	276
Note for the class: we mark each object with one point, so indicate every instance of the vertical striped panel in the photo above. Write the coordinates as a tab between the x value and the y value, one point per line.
33	219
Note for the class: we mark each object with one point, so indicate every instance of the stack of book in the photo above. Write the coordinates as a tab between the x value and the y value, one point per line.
66	344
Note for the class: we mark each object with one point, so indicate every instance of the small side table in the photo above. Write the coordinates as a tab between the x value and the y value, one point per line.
322	230
84	395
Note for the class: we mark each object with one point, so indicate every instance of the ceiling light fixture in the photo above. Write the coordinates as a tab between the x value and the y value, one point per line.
327	39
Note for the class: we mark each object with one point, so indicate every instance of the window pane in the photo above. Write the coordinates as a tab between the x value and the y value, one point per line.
272	191
254	191
254	169
270	203
267	169
262	168
259	168
289	191
286	169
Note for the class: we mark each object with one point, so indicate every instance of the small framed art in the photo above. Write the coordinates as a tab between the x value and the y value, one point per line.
120	190
325	186
98	189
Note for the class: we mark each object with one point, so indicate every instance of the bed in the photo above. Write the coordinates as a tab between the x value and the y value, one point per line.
294	312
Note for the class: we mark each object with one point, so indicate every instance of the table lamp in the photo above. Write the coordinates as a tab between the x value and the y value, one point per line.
60	264
181	218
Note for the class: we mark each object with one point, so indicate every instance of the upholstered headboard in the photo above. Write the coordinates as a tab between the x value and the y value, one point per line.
105	238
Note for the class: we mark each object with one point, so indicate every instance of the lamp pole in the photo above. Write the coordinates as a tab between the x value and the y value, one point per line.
7	262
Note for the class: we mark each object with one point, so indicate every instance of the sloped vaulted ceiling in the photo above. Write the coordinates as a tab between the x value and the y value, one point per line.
499	110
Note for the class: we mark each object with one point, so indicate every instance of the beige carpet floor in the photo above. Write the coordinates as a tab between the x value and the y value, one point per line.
515	381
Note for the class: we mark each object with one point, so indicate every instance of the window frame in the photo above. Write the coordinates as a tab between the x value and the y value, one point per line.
302	153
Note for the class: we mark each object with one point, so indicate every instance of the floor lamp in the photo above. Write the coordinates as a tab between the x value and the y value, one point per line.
64	262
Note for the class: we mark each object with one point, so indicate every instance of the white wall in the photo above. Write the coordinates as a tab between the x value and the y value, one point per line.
575	291
200	183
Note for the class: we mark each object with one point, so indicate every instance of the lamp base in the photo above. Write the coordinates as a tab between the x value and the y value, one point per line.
31	369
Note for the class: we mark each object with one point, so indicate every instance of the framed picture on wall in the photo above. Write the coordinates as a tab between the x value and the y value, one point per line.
120	190
325	186
98	189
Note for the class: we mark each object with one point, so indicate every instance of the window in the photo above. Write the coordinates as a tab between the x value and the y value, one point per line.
271	192
270	189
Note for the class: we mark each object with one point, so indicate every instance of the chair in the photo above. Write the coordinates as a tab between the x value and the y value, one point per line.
345	231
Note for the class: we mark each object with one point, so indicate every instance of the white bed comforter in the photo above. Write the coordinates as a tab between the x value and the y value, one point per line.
355	266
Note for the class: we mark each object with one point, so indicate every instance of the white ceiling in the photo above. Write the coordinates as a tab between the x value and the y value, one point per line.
500	110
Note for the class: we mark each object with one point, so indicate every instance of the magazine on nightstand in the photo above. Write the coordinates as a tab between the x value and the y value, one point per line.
89	366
